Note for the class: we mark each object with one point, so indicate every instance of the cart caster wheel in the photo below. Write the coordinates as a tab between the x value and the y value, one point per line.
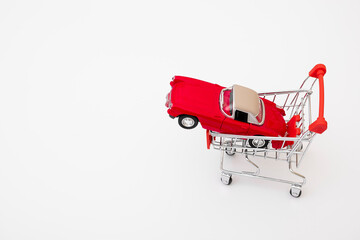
230	151
226	178
295	191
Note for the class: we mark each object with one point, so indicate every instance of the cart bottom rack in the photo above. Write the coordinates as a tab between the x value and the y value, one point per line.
237	144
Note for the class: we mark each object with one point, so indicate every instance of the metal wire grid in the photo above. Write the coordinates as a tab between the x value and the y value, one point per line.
296	102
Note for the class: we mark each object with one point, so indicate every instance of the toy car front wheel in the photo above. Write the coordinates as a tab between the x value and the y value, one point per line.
188	122
258	143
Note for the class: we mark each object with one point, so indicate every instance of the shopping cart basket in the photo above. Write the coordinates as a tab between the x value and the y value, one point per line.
291	148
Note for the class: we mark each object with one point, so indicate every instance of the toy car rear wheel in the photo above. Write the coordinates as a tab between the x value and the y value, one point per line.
188	121
258	143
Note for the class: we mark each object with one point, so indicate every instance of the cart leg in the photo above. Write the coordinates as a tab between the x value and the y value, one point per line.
226	178
295	189
253	164
297	174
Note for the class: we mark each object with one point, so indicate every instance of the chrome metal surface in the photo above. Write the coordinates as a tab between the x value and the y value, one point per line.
259	143
229	150
187	122
289	149
295	191
225	178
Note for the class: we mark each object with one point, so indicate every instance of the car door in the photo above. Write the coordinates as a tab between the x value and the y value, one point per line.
233	126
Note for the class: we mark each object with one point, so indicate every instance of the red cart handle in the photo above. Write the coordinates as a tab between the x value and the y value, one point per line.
320	125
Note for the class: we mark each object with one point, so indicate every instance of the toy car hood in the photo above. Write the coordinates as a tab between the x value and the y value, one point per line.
195	96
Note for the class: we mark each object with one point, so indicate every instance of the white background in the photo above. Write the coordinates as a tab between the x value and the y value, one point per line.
87	150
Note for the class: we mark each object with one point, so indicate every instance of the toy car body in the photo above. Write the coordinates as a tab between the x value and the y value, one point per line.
234	110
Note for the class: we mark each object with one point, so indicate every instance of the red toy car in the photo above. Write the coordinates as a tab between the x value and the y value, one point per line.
234	110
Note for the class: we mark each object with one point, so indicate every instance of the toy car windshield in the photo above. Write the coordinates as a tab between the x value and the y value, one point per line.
242	104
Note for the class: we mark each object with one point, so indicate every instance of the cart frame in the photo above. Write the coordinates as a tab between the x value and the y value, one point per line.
294	102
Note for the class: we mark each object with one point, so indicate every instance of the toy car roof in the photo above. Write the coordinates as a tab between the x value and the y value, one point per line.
246	100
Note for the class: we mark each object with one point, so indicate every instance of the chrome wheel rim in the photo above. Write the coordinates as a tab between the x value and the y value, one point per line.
187	122
259	142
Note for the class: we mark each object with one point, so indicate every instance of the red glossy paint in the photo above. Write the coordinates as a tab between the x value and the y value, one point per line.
320	125
201	99
197	98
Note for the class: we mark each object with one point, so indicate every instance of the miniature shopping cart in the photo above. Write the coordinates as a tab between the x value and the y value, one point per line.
290	149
